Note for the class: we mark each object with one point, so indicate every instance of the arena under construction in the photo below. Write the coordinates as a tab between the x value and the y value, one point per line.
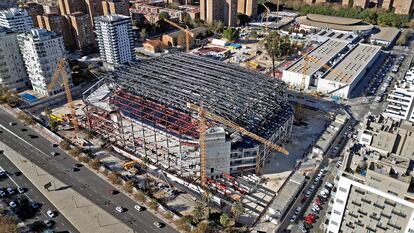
142	107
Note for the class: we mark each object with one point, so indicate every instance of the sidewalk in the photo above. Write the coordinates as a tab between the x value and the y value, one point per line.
78	210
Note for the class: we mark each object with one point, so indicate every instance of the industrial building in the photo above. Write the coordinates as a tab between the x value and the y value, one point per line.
374	190
335	67
143	108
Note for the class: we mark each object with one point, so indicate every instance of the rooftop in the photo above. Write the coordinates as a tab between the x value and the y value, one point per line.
353	64
333	22
255	101
111	18
320	56
386	34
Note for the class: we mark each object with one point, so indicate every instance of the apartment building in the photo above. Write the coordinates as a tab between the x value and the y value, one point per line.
219	10
119	7
68	7
114	36
33	9
374	189
41	50
12	71
400	100
247	7
6	4
94	8
16	19
58	24
82	31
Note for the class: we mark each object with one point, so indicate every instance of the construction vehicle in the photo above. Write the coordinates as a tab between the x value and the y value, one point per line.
130	167
187	32
202	121
61	70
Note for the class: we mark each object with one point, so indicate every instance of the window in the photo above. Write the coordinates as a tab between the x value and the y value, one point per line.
342	189
339	201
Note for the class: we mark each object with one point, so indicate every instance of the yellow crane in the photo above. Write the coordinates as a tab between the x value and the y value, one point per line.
61	70
203	114
187	32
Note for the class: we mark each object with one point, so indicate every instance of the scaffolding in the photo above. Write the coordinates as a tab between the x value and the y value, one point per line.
146	109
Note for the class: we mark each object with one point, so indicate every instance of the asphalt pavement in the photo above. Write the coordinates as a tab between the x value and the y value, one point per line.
33	195
38	150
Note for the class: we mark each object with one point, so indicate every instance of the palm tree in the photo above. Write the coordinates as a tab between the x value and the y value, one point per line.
199	211
272	47
237	209
206	199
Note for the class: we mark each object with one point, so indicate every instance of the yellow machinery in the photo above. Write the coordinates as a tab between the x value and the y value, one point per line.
203	114
56	118
187	32
61	70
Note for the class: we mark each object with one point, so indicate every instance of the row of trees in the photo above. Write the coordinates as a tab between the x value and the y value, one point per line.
370	15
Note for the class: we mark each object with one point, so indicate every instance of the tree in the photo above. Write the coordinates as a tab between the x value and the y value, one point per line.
75	152
143	34
94	164
231	34
164	15
272	47
26	118
114	178
203	227
237	209
153	205
184	222
139	196
199	212
216	27
169	215
128	186
224	220
8	225
64	145
206	197
242	19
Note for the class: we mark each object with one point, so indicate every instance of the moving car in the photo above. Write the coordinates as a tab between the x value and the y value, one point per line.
119	209
158	224
138	207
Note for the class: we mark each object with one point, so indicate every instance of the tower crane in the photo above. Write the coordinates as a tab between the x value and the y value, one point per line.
61	70
187	32
203	114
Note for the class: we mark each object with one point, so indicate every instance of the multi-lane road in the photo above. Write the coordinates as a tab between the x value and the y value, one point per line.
15	180
38	150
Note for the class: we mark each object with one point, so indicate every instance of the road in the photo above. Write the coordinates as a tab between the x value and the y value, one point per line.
298	202
33	195
84	181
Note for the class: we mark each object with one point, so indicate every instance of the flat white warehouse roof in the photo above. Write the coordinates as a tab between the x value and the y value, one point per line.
353	64
319	56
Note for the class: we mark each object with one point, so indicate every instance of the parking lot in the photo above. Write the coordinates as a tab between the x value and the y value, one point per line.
19	198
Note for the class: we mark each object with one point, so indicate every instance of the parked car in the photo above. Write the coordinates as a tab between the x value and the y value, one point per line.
20	190
297	210
10	190
13	204
51	214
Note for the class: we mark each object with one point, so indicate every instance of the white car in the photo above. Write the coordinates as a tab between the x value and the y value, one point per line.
20	190
138	207
50	214
119	209
314	210
2	193
48	223
293	218
317	207
12	204
158	224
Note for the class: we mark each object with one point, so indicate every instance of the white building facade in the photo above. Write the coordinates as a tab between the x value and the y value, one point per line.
42	50
16	19
115	40
400	100
12	71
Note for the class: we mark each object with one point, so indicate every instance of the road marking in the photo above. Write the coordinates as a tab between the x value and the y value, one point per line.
17	136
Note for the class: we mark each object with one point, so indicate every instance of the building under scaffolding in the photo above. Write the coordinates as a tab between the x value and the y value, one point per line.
143	108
